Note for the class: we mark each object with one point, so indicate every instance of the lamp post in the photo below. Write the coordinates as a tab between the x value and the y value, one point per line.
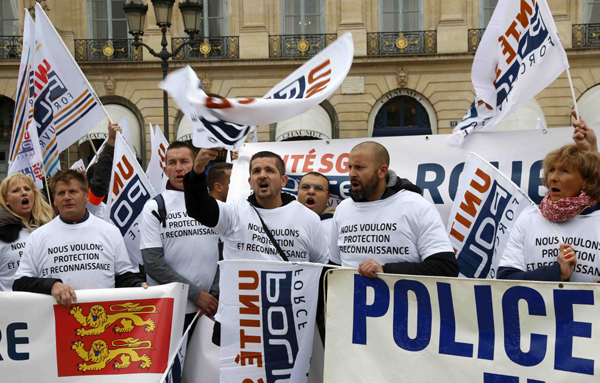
191	12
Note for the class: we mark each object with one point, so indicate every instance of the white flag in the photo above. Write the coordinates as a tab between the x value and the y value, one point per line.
66	107
79	166
266	330
124	125
156	167
520	54
539	124
24	94
127	194
485	209
225	122
98	151
29	157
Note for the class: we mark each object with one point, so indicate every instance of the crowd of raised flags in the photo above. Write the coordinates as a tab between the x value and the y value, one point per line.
520	54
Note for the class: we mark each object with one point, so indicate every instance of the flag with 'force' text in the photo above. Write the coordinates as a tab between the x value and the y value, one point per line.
520	54
226	122
128	192
267	312
65	105
485	209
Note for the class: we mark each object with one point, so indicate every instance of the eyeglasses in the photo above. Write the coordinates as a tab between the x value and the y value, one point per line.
318	188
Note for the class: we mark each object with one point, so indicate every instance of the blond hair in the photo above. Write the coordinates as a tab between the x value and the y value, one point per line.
586	162
41	212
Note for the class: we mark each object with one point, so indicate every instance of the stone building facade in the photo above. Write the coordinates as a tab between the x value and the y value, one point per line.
411	72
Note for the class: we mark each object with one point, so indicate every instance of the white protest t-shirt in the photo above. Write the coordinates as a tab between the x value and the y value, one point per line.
86	255
190	248
532	244
98	210
10	257
401	228
296	229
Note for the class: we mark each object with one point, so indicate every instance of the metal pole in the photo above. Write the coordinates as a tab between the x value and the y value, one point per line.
165	68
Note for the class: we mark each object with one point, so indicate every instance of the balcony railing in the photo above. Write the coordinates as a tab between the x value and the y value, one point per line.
10	47
298	45
107	50
475	36
223	47
586	35
401	43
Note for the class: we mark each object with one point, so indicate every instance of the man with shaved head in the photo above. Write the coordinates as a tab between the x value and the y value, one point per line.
387	226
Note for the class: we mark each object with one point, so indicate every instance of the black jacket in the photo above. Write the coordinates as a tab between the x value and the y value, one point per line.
10	226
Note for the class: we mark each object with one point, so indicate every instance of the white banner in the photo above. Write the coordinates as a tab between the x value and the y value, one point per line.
79	166
110	335
128	192
267	311
24	94
29	157
124	125
399	328
156	167
224	122
97	155
484	212
520	54
66	107
428	161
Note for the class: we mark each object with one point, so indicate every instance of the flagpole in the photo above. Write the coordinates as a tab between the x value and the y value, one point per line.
573	94
46	181
91	143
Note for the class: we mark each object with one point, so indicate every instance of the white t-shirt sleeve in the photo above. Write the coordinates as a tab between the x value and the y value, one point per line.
334	250
319	247
122	262
514	252
432	236
229	217
28	266
150	227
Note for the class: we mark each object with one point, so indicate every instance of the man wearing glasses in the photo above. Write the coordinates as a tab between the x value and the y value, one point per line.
313	192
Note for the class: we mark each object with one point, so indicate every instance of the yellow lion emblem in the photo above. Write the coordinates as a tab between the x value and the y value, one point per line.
127	314
100	355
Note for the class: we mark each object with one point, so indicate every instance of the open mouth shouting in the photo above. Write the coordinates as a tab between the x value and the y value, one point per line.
25	204
310	203
263	186
355	184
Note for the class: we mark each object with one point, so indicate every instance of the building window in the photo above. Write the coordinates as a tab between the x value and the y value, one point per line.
486	11
9	18
402	116
215	18
592	11
107	19
400	15
302	17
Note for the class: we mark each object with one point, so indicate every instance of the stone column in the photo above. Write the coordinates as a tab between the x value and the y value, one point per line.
352	21
562	19
452	34
254	37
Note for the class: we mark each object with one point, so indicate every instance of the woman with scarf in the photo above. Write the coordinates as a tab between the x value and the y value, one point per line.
22	210
533	252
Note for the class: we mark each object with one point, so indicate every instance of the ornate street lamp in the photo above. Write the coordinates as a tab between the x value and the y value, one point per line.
191	11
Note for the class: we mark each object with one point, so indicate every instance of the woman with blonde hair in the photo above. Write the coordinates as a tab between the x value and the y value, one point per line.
533	252
22	210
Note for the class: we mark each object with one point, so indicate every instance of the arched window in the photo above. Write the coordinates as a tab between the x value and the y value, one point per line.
400	15
215	18
486	9
402	116
7	108
592	11
302	17
315	124
107	19
9	18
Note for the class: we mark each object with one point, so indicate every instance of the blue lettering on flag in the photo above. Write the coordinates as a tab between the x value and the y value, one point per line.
129	204
279	334
480	246
293	90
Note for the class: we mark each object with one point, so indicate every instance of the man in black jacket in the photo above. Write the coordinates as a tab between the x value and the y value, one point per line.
387	226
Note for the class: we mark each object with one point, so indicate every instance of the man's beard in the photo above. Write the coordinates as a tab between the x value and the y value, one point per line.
367	189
